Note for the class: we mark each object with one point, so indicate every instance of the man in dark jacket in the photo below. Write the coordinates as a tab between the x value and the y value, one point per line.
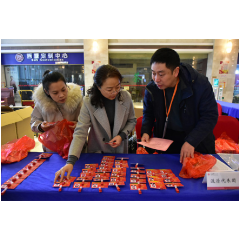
179	103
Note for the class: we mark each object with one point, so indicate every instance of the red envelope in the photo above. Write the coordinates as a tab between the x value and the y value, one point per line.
173	184
155	179
171	180
138	176
157	185
116	179
88	178
108	158
81	184
118	174
100	185
93	165
118	183
119	170
138	186
138	180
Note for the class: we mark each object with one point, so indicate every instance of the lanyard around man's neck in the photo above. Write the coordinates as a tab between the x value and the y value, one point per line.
170	105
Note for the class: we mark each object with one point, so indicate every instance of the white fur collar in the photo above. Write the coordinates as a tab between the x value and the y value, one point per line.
47	105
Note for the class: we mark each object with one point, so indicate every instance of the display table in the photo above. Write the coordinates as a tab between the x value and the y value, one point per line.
231	109
38	186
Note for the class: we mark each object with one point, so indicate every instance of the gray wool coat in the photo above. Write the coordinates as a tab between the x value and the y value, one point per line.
96	119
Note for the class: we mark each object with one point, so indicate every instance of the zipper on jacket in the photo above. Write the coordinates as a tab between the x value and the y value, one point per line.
184	106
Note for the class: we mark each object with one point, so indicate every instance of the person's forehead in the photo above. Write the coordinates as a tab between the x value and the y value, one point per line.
157	67
56	86
111	82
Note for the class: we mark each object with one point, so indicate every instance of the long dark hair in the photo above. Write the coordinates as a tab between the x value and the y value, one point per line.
51	77
102	73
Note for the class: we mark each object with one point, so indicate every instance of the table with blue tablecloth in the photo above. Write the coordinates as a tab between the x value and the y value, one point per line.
39	185
231	109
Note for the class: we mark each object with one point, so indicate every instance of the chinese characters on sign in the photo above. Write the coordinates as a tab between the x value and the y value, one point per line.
222	180
45	57
42	58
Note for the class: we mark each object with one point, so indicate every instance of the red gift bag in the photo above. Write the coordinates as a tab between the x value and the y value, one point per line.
16	150
224	144
141	150
58	138
197	167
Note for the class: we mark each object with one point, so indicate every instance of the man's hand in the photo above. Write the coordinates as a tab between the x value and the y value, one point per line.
145	138
187	150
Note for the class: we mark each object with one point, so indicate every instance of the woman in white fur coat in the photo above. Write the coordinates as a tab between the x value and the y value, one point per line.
55	100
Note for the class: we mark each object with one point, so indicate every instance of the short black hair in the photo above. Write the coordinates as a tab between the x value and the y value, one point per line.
167	56
51	77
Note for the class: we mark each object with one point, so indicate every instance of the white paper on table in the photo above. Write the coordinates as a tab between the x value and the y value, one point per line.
218	167
157	143
231	159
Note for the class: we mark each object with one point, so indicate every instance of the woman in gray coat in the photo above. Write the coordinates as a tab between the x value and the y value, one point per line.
109	113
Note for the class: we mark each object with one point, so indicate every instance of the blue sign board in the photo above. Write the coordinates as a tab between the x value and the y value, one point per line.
41	58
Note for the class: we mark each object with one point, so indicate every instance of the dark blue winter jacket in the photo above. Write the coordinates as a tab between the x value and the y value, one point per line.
198	110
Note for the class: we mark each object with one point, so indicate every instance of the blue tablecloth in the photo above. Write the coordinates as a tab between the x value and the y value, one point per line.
38	186
231	109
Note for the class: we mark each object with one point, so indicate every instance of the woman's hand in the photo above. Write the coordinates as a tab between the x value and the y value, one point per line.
47	125
67	168
73	126
115	142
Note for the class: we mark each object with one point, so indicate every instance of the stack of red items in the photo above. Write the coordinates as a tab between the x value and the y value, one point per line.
118	175
103	175
224	144
197	167
138	177
162	178
86	176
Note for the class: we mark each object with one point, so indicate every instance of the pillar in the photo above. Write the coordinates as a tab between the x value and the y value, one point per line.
100	54
220	54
